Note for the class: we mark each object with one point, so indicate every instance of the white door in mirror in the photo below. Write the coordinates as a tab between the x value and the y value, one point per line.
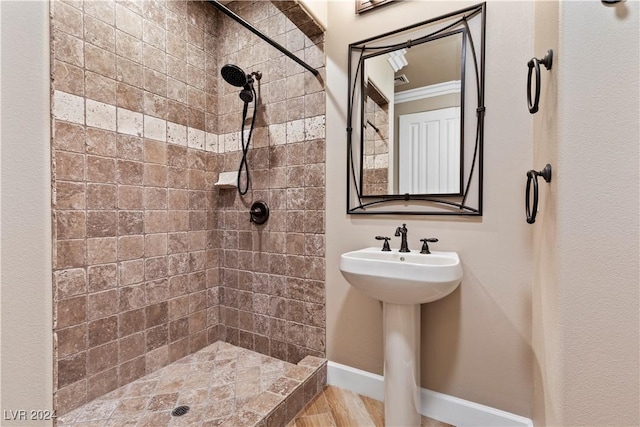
429	152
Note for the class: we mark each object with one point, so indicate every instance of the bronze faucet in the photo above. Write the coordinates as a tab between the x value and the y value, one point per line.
402	231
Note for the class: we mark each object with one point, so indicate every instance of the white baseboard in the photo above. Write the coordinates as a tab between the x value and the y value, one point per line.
439	406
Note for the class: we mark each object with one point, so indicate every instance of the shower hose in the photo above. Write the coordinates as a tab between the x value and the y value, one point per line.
245	146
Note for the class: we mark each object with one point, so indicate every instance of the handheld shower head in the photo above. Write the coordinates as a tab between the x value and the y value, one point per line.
246	95
234	75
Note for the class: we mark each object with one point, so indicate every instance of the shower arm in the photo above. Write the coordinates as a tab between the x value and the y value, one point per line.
222	8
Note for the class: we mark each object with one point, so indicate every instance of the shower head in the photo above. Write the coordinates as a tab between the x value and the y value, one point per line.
234	75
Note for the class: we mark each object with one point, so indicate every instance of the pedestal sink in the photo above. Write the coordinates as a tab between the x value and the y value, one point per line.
402	281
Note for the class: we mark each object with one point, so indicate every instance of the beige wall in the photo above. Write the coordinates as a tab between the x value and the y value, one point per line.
545	308
475	342
26	349
585	244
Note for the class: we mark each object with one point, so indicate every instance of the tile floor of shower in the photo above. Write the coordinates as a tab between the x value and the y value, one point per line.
222	384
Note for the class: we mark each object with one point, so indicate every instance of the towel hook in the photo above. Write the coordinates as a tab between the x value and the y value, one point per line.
533	175
534	63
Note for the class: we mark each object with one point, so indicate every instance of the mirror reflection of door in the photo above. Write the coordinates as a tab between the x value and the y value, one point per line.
429	152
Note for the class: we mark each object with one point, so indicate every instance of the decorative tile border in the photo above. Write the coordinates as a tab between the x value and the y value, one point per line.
84	111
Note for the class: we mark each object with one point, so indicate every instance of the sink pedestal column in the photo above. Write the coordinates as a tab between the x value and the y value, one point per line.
401	364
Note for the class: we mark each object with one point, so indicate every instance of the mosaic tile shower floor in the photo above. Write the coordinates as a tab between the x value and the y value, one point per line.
215	383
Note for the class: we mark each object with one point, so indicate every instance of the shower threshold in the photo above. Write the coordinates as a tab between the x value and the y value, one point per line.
223	385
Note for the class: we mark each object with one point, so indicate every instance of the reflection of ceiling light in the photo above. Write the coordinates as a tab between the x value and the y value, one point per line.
397	60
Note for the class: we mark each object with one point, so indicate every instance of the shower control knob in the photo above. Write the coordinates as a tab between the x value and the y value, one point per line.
259	212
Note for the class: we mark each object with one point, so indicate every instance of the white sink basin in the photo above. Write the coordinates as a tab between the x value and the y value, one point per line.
402	277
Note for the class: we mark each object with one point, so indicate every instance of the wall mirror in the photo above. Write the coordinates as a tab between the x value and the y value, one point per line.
415	118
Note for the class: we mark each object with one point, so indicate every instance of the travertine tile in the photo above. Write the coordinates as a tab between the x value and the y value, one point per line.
128	21
68	136
70	282
100	61
153	33
101	196
129	147
130	272
101	250
128	71
69	78
70	253
98	32
101	277
155	198
103	10
70	224
72	369
102	331
72	340
102	304
129	49
175	385
155	81
176	134
68	107
68	48
130	322
100	115
195	138
130	122
100	142
67	19
131	347
155	128
130	247
130	97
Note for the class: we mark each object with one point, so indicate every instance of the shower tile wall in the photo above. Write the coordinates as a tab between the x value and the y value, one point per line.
142	239
272	294
133	152
375	174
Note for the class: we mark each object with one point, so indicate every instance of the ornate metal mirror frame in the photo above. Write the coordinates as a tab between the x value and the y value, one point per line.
470	22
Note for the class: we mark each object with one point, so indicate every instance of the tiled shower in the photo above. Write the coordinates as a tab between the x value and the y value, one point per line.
152	261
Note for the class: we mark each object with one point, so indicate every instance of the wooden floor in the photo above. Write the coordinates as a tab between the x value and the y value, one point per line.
336	407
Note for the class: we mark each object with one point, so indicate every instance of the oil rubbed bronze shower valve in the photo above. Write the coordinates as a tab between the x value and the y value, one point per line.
259	212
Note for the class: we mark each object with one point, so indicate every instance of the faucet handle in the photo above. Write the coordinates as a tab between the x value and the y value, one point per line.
385	245
425	244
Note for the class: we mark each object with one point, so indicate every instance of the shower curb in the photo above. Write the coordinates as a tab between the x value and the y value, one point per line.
285	398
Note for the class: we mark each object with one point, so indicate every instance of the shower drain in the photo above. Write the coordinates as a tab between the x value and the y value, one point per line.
180	411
